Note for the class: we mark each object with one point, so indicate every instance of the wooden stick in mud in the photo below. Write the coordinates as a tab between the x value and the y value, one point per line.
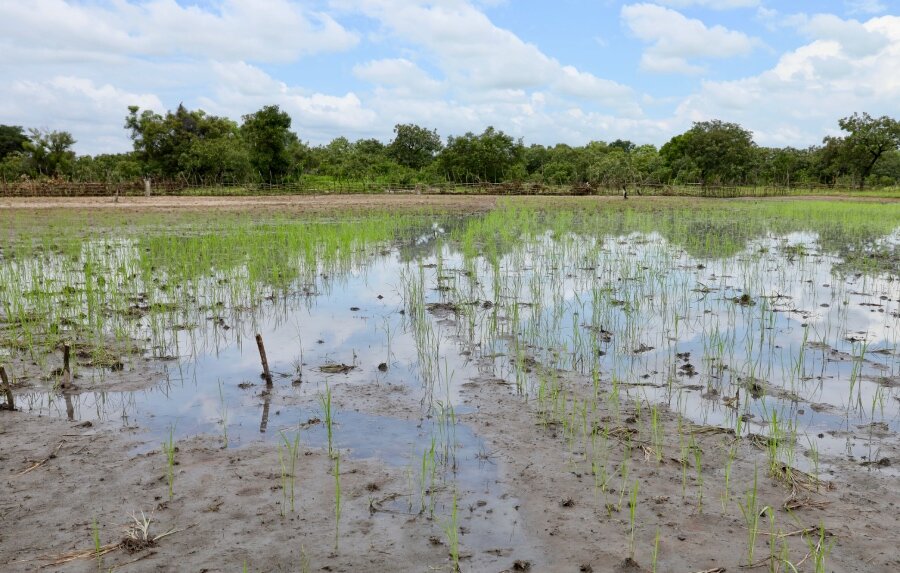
7	390
262	357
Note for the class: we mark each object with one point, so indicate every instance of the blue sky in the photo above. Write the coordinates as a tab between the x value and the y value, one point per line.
567	71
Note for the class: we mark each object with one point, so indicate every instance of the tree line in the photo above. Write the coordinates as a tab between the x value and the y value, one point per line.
196	147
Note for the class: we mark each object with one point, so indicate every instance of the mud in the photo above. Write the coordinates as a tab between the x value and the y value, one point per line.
60	477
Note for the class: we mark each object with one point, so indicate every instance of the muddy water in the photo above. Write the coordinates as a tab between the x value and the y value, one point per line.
775	327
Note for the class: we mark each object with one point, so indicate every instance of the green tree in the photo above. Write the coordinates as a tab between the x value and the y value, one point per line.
414	146
188	144
867	141
888	168
14	166
566	165
647	165
719	152
624	145
269	138
50	152
12	140
486	157
614	170
107	167
828	163
536	156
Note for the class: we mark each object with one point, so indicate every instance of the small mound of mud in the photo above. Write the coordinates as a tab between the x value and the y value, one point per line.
132	545
336	368
442	307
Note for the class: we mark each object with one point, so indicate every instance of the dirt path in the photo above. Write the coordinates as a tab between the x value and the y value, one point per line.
327	203
293	203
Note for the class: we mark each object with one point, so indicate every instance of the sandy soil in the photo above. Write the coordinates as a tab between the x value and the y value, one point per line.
293	203
326	203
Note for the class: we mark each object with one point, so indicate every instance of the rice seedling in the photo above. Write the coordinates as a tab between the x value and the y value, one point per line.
654	557
752	512
729	460
698	467
451	530
223	413
819	549
338	503
325	402
656	433
632	509
288	454
169	450
98	547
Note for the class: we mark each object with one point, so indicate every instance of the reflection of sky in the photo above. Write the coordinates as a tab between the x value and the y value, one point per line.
577	281
632	286
190	400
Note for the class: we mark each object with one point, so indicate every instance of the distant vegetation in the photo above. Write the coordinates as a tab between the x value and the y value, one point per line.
196	148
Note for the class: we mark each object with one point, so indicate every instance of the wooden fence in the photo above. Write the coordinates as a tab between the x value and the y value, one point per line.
59	188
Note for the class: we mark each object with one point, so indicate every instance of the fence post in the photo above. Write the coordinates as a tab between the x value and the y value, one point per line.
147	186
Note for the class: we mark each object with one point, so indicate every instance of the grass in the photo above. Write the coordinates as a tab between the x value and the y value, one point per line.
451	530
98	546
288	454
325	403
819	549
223	412
169	448
632	509
752	511
338	501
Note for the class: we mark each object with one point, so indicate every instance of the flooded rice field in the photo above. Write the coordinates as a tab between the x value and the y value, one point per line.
585	386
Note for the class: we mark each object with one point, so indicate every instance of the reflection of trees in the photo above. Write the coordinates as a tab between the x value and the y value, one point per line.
421	241
709	232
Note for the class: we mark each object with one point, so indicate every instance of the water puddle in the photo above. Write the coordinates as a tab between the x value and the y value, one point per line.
777	330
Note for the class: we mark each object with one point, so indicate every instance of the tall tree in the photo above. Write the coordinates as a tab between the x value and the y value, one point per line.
12	140
50	152
486	157
721	152
867	141
414	146
269	139
188	144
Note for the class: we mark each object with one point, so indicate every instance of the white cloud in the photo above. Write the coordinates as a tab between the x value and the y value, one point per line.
478	57
467	46
714	4
866	6
259	30
808	89
854	38
675	39
78	105
572	82
400	74
444	64
314	113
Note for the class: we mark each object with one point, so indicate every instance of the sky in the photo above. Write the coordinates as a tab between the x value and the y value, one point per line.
562	71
